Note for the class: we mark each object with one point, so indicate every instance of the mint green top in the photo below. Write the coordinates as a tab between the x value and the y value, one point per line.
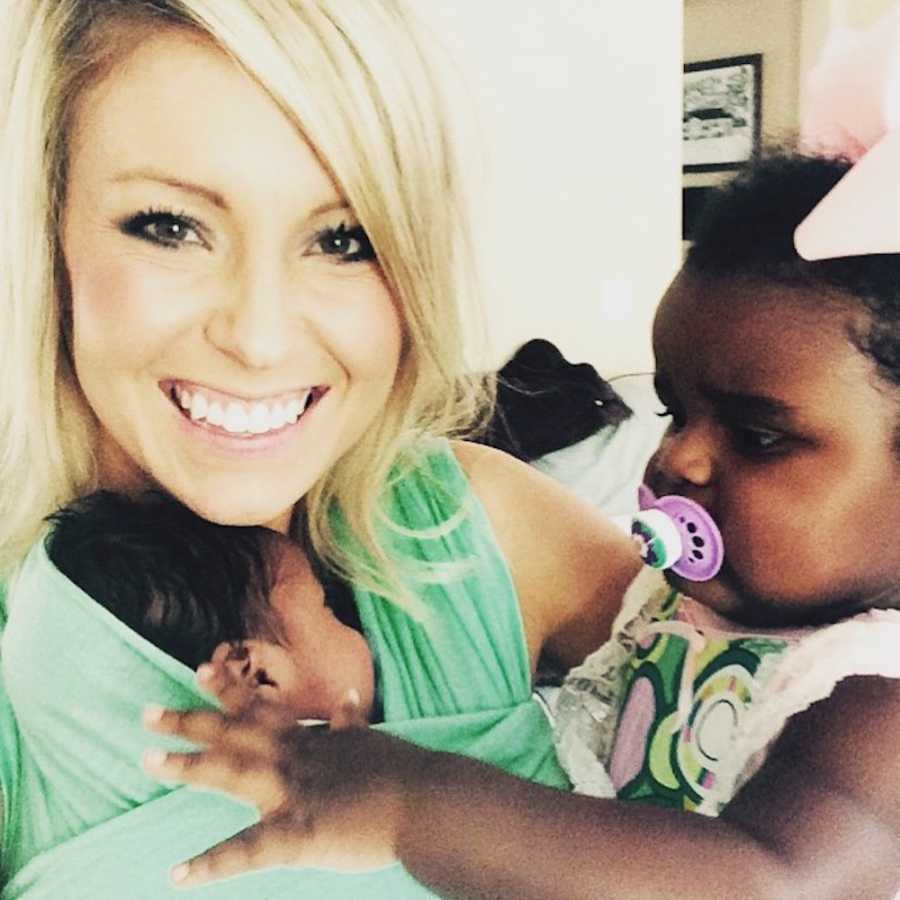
82	819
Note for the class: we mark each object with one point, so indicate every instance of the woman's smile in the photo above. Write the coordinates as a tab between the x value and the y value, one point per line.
229	414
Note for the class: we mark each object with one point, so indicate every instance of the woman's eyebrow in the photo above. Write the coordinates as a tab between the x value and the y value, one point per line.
208	194
211	196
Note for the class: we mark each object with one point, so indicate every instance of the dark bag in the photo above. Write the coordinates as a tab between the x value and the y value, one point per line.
545	403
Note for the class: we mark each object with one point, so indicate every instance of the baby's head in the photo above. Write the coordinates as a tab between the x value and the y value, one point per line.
782	378
314	659
196	590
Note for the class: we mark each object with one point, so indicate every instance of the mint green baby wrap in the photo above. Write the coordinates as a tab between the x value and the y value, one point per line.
83	821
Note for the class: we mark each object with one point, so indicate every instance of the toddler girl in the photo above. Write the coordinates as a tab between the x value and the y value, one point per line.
778	376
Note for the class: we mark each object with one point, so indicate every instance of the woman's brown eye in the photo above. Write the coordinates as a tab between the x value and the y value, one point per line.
168	230
347	244
162	228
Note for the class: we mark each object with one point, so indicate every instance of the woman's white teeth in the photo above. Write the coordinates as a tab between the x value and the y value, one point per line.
294	408
278	416
259	418
235	418
199	407
241	418
215	415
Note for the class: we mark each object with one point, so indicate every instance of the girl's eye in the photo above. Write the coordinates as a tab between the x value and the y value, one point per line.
757	441
164	228
347	244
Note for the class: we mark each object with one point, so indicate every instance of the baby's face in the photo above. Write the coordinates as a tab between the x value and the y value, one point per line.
785	433
321	660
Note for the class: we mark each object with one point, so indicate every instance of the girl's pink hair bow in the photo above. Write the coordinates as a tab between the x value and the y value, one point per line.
854	111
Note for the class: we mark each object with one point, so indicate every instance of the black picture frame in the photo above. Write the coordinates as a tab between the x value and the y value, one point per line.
721	113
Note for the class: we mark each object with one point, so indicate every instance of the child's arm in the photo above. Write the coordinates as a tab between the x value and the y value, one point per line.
827	801
821	820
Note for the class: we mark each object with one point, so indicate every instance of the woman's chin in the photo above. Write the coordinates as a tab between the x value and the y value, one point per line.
238	510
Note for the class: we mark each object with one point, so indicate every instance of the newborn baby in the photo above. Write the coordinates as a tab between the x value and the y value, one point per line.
245	596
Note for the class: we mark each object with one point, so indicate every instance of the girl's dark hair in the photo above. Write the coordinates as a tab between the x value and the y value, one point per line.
183	583
747	231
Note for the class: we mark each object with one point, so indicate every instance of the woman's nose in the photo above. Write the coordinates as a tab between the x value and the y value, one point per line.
685	459
252	325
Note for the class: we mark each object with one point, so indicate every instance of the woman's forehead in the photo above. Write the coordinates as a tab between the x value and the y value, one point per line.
179	110
147	76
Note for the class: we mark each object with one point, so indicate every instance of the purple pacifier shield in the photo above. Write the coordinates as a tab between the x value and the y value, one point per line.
703	550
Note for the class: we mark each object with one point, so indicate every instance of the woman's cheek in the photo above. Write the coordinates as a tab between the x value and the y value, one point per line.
103	313
366	336
125	308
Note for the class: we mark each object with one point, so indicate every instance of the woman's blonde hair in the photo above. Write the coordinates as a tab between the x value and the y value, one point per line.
354	77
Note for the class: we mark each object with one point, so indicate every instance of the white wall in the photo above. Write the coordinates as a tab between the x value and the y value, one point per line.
578	186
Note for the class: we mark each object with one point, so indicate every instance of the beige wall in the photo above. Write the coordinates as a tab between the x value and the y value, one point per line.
719	28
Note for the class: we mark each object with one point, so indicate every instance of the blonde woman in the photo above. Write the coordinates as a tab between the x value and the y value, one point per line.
233	258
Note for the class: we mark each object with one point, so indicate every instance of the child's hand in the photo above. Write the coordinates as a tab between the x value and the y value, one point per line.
234	694
326	797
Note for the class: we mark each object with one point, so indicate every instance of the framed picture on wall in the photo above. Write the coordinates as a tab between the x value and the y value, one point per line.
722	112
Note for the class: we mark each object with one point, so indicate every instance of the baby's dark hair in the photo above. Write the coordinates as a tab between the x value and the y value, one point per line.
747	231
181	582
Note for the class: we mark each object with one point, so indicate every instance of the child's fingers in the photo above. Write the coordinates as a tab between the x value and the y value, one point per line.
254	733
258	847
221	676
254	780
204	769
221	653
235	696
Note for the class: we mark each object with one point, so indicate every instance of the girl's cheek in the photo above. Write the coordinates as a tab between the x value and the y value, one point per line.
760	537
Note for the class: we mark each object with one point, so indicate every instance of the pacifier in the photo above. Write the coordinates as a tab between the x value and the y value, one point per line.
676	533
